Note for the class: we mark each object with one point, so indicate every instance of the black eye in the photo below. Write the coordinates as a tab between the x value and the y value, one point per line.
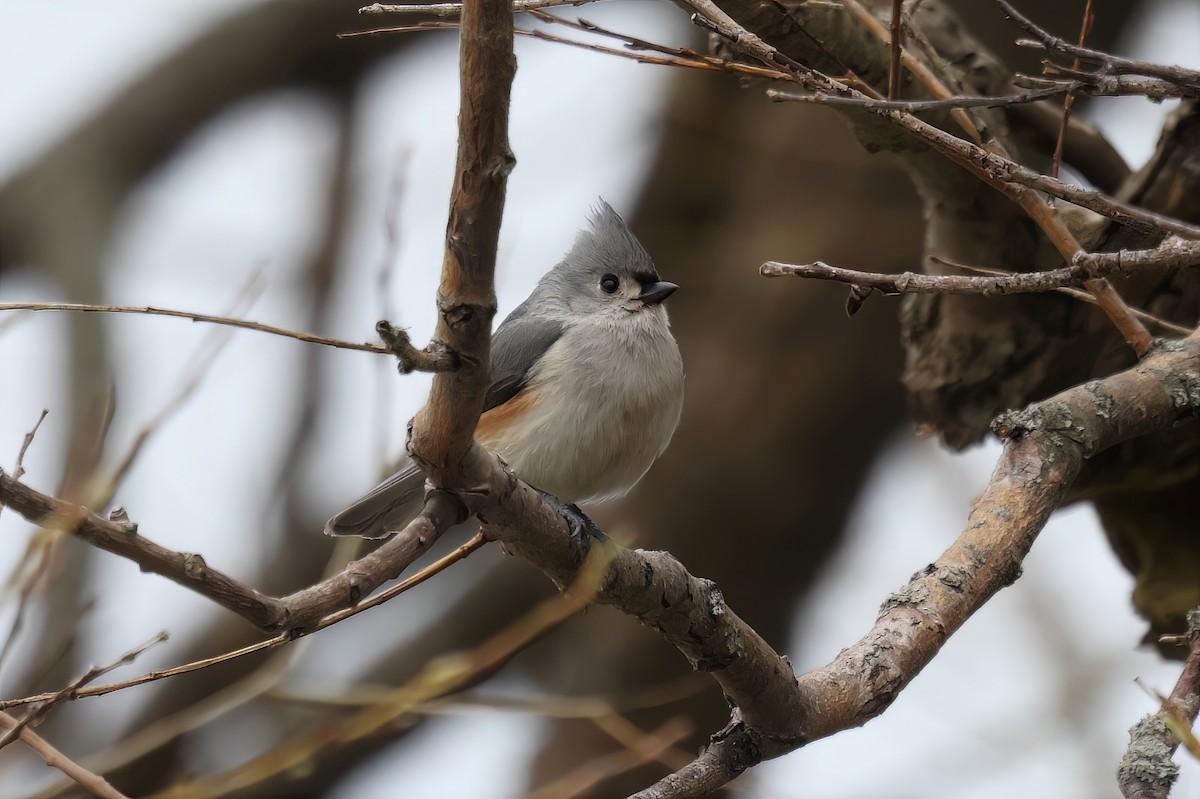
609	284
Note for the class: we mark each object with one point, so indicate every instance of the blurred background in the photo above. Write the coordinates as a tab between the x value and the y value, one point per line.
232	157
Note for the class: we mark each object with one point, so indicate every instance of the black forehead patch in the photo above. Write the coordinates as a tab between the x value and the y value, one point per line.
646	278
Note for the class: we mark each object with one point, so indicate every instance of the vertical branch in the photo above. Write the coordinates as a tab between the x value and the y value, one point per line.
894	66
1089	19
443	431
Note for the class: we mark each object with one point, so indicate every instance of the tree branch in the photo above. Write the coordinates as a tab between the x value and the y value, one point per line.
122	538
309	338
1186	81
1045	446
965	154
1172	253
93	783
1146	770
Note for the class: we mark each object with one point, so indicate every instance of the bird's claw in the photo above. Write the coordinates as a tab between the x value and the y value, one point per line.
582	528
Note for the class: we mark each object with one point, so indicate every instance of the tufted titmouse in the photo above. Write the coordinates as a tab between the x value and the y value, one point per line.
587	383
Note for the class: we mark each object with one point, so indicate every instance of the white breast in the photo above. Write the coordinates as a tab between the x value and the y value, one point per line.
609	397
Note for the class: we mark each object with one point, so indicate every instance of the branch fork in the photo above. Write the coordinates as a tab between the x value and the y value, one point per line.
434	357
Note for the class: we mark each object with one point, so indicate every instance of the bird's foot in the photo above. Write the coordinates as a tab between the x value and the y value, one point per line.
582	528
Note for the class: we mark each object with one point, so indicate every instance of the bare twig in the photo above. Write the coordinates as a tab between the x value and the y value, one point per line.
1082	82
1167	325
202	361
408	583
19	466
442	676
894	30
972	158
308	338
1173	253
649	747
672	56
96	785
916	106
1187	80
969	124
1089	19
455	9
121	538
34	715
32	575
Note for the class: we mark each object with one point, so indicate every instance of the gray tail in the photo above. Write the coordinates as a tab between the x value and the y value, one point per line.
385	510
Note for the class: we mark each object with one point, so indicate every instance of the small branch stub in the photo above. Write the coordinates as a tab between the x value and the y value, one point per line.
435	357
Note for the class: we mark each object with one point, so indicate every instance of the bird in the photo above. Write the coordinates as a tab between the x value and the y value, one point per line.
586	384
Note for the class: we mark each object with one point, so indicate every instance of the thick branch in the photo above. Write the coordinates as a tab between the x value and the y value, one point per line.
443	431
1045	447
122	538
305	608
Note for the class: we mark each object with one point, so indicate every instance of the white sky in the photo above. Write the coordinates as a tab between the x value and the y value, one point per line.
982	721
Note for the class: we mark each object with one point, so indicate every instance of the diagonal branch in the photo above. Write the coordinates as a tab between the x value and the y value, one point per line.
120	537
1045	446
92	783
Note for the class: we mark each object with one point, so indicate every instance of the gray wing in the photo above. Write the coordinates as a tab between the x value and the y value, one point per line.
517	345
386	509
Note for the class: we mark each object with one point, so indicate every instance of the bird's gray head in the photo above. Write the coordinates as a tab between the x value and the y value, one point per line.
607	271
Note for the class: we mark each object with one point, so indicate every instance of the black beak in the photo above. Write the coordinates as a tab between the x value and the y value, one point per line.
655	293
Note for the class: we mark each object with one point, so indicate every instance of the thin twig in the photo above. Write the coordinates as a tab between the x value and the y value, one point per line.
1110	64
96	785
1089	19
923	73
455	9
916	106
149	310
647	748
407	584
440	677
559	707
1173	253
680	57
32	576
202	361
34	715
1082	296
894	74
970	157
19	466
